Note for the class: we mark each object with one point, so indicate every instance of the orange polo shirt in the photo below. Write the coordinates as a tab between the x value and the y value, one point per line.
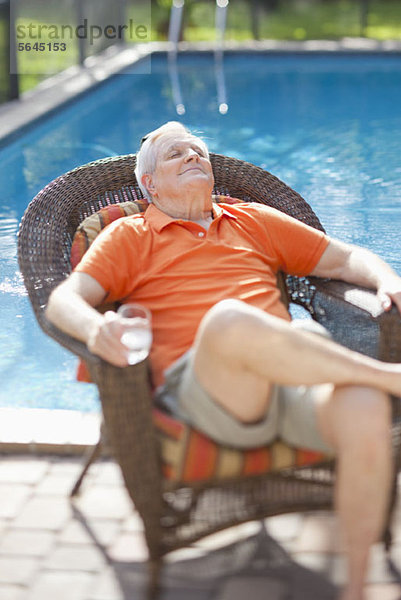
179	270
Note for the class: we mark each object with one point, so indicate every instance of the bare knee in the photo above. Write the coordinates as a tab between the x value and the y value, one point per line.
360	419
224	326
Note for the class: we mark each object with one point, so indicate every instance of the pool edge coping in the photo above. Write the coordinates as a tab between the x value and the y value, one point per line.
47	431
17	116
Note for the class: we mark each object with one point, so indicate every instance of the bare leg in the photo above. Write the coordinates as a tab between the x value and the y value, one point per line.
240	351
363	471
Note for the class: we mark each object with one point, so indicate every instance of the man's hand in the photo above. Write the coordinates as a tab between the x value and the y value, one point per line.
353	264
105	339
389	292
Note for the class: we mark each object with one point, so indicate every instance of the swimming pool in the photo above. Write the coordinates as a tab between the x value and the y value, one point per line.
328	125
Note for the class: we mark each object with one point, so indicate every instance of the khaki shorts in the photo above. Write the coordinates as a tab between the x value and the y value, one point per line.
291	416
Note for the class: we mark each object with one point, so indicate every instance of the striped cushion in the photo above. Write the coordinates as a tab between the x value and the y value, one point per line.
188	455
92	225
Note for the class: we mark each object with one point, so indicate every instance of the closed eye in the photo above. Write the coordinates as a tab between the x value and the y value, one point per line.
174	154
198	151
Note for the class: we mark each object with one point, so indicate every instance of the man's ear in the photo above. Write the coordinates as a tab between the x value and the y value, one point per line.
147	181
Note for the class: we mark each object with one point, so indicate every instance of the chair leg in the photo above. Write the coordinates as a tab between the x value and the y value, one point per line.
154	587
92	457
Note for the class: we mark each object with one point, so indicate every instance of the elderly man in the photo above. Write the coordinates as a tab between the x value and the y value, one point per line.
226	356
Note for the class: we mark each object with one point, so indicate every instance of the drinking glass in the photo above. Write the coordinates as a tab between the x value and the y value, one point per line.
138	334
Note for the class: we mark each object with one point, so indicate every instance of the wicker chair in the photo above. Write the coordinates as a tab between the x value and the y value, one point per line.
177	515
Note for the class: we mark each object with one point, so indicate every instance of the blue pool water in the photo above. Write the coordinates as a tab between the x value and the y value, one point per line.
327	125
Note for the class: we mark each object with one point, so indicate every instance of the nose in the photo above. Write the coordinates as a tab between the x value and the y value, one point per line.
191	154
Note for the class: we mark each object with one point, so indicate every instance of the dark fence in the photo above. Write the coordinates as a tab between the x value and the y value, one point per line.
257	19
40	38
8	81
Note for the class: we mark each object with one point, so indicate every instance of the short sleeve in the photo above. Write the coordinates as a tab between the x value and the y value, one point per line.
113	259
297	246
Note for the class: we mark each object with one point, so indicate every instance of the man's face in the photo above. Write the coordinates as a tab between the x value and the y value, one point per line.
181	167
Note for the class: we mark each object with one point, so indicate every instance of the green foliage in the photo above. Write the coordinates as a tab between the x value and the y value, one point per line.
289	20
246	19
285	19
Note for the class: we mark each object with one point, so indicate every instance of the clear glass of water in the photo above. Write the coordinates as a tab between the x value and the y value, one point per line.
138	334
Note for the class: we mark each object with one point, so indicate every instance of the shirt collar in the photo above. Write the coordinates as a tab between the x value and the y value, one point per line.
160	220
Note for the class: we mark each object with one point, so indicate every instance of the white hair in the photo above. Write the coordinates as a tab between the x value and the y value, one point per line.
147	155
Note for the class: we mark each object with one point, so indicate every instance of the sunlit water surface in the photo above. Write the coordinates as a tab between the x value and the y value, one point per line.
327	125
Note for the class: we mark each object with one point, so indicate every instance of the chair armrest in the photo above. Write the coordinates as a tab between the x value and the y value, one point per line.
355	318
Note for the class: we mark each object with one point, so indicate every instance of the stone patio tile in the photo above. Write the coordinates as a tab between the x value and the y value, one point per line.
284	528
107	473
46	512
188	553
67	466
239	588
24	469
107	587
13	496
331	565
133	523
100	502
378	571
12	592
76	557
129	547
396	524
17	570
20	542
56	585
4	523
334	565
56	484
389	591
228	536
105	532
318	533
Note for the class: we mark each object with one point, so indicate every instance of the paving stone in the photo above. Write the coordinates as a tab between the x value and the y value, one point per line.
107	587
102	502
12	592
129	547
239	588
61	586
396	524
46	512
318	533
228	536
4	524
17	542
133	523
107	473
331	565
378	571
284	528
105	532
56	485
17	570
67	466
12	498
76	557
185	554
382	592
24	469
